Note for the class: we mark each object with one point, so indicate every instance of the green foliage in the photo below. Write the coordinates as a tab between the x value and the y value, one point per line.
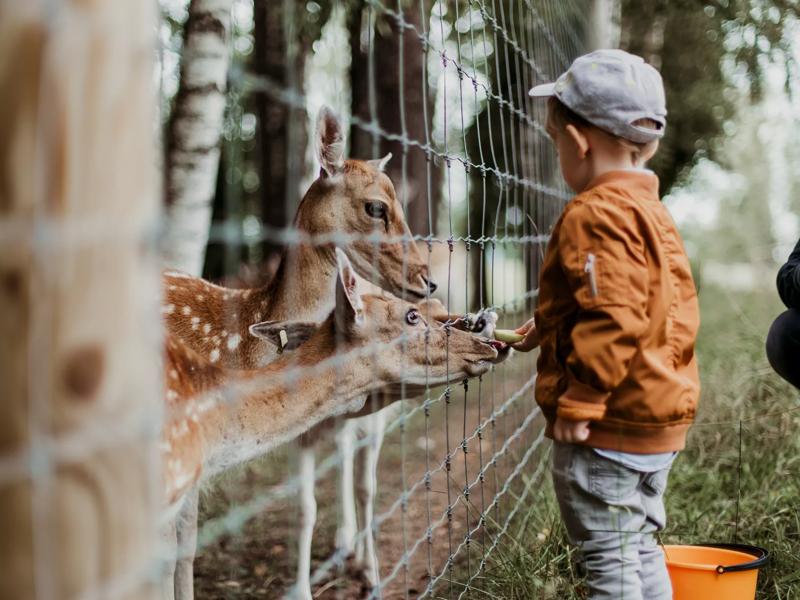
534	560
700	47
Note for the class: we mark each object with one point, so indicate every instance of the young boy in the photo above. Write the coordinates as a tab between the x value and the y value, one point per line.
616	325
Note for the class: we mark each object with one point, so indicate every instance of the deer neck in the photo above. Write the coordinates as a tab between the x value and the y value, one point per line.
268	407
215	321
303	287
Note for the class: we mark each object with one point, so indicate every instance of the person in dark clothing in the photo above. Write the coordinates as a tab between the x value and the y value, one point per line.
783	340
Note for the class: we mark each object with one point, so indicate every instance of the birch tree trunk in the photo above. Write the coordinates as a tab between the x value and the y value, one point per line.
605	17
79	323
193	136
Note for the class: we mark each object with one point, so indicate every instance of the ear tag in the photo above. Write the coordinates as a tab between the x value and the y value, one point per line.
284	339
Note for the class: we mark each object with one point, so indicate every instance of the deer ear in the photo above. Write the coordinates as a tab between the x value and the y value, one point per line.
349	307
380	163
286	335
329	142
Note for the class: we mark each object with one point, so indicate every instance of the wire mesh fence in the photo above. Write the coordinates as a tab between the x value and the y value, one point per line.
411	495
443	87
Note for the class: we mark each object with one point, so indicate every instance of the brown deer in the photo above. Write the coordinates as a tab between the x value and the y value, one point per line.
352	205
217	418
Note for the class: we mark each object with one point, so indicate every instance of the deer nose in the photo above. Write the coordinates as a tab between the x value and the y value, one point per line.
431	285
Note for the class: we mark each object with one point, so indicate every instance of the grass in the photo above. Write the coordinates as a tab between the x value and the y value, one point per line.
739	390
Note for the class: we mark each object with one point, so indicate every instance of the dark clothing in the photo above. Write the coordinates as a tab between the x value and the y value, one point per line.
789	280
783	340
783	346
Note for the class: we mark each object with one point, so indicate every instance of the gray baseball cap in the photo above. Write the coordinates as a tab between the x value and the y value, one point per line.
611	89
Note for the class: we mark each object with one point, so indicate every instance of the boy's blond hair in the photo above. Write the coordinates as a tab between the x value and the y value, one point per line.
559	115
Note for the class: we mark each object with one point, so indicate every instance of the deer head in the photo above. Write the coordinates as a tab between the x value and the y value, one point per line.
356	198
218	417
389	335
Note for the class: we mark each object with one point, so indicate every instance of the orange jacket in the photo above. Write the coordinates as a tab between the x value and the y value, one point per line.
618	317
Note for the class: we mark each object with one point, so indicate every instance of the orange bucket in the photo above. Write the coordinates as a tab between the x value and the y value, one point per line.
714	571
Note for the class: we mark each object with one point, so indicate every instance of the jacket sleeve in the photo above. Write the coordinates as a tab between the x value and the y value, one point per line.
789	280
603	253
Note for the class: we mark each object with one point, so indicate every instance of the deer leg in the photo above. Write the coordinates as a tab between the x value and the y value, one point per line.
346	532
368	485
308	504
169	548
186	529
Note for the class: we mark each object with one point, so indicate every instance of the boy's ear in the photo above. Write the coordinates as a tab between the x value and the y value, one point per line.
285	335
579	139
649	151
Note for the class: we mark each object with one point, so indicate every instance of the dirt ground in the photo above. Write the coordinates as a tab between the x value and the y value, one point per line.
259	560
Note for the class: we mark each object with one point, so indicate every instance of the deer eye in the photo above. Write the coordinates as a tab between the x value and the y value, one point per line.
412	317
376	209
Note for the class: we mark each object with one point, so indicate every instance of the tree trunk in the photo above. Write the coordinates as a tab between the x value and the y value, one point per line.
78	318
280	55
195	126
377	38
605	17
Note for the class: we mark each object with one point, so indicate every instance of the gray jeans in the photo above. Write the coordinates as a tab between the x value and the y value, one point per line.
611	513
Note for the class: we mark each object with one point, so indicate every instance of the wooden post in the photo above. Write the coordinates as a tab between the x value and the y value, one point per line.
193	136
79	324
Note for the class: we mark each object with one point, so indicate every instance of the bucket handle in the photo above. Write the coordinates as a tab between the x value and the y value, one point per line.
759	561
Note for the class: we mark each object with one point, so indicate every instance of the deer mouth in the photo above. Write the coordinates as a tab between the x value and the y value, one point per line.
412	294
478	366
389	277
475	368
496	344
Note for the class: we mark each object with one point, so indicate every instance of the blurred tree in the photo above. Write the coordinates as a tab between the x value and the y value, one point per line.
266	165
397	102
689	41
508	137
284	34
193	134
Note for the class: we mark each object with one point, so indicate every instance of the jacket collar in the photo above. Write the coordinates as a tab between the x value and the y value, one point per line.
641	181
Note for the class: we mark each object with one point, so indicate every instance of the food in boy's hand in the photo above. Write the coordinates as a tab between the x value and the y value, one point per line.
509	336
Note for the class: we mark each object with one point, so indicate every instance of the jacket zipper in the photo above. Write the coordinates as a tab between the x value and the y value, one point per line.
589	268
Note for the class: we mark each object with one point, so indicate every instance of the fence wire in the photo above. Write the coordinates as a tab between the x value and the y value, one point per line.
459	462
476	176
482	201
477	179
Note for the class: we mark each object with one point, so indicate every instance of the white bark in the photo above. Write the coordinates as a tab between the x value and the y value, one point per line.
606	16
193	139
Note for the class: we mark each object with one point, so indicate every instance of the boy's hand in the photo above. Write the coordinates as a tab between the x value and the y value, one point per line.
531	339
570	431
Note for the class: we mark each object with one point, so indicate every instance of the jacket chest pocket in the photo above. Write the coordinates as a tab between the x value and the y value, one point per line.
589	276
590	271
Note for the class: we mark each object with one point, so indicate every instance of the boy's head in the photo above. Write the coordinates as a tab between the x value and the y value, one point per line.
606	112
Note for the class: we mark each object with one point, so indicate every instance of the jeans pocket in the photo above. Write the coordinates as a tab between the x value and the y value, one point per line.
610	481
655	484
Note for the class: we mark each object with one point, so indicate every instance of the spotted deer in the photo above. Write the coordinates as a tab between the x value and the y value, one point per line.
352	204
351	199
217	417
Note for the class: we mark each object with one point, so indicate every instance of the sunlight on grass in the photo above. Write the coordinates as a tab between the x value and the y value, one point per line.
738	385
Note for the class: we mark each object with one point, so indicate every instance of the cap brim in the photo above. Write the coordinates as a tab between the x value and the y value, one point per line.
543	90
